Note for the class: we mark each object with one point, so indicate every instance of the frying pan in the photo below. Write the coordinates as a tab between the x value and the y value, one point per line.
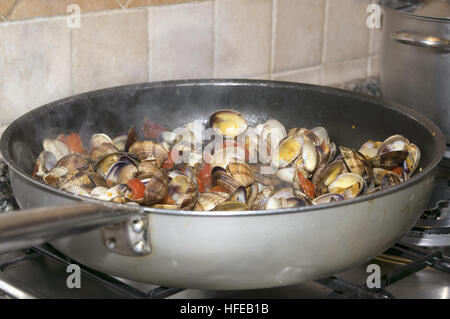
217	250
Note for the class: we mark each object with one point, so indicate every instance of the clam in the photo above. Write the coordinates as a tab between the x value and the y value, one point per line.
84	179
57	148
390	180
370	149
241	173
349	185
286	174
73	161
325	175
239	195
251	192
228	122
394	143
321	134
109	194
287	151
103	150
156	186
149	151
379	173
55	176
262	198
389	160
208	201
119	142
231	206
109	166
222	178
327	198
127	172
44	163
223	156
312	137
183	191
99	139
309	158
411	162
77	190
352	160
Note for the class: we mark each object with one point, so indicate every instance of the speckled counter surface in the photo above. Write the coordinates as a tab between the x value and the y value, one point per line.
369	86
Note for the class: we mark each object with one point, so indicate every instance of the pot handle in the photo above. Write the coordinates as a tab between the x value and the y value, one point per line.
421	40
29	227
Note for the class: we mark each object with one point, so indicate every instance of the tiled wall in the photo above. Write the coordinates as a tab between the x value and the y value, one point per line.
131	41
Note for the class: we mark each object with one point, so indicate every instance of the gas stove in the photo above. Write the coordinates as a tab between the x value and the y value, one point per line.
418	266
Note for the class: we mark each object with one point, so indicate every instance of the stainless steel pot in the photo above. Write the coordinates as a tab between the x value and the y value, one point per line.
217	250
415	57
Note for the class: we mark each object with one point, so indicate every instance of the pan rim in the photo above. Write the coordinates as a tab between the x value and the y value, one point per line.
434	131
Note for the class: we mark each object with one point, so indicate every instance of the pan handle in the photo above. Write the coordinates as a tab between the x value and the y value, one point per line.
25	228
421	40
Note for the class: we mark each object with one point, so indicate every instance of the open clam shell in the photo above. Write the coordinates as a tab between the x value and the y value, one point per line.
349	185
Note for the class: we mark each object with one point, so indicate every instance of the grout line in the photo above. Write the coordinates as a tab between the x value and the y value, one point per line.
290	72
273	38
12	8
215	28
324	38
127	3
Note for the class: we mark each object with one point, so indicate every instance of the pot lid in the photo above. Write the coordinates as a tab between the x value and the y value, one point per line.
424	8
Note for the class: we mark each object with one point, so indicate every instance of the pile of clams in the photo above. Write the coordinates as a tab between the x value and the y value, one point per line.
250	168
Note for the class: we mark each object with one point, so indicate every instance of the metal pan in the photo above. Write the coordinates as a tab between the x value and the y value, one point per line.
224	250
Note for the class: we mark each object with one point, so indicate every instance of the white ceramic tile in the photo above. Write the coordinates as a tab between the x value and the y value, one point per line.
110	49
347	34
309	75
182	42
341	72
299	34
34	65
243	37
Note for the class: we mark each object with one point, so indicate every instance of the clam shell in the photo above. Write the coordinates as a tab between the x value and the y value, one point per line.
156	186
241	173
349	185
103	150
389	160
208	201
327	198
231	206
228	122
73	162
287	151
262	198
394	143
57	148
149	151
222	178
183	191
99	139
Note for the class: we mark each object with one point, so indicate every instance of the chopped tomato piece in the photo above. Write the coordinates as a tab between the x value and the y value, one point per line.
73	141
151	129
205	172
137	188
306	185
398	170
201	185
169	162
